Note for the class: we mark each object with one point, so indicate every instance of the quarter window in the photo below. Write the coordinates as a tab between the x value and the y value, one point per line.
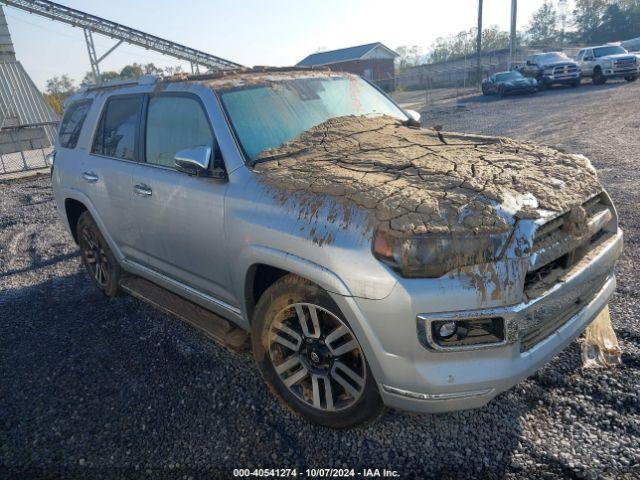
116	135
175	123
72	123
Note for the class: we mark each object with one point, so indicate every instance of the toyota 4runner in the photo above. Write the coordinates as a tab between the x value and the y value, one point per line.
373	262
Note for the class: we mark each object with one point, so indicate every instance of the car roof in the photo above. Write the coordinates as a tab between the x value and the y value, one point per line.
217	81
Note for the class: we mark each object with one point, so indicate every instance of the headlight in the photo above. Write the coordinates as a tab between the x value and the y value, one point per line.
607	64
433	255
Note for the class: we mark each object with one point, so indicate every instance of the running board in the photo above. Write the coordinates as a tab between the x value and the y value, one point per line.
212	325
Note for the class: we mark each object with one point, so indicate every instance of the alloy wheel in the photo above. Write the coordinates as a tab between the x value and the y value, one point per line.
317	357
95	257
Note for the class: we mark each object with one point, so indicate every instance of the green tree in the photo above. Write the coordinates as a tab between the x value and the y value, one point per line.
409	56
600	21
543	29
464	43
587	19
57	90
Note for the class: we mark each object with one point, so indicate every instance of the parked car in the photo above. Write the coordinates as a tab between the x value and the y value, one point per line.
606	62
507	83
373	262
552	68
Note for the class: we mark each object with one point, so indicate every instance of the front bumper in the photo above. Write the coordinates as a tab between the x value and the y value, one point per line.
412	377
561	79
612	73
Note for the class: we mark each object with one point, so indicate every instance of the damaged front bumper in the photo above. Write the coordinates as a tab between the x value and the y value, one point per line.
421	376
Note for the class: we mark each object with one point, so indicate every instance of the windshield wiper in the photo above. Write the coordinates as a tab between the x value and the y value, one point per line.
268	158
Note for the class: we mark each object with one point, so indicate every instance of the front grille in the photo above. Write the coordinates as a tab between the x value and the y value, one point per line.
531	337
557	246
548	319
565	69
627	63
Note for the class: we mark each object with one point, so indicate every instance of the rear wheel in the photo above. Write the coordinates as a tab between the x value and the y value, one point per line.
97	257
310	357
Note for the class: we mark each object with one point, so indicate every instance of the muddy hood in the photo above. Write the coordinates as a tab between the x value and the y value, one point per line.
419	181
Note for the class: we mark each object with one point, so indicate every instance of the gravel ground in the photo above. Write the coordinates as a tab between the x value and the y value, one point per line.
95	387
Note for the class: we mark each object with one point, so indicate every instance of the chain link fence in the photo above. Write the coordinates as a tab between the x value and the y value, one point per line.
24	160
25	147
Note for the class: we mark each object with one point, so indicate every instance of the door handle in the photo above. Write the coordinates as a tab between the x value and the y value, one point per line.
142	190
90	177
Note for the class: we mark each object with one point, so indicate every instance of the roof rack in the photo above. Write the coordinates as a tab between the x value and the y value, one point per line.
181	77
143	80
184	77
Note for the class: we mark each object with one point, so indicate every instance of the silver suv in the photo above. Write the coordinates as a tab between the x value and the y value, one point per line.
373	262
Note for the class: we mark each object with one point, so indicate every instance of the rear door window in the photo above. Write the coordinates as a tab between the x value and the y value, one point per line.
72	123
174	123
117	132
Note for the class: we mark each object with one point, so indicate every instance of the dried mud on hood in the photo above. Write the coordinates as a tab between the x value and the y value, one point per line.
415	181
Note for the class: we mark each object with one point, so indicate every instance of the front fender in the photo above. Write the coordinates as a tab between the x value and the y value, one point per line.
252	255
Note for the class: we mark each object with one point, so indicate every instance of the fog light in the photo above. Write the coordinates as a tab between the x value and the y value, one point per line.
446	329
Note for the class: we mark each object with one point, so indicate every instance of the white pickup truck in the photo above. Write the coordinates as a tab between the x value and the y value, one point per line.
608	61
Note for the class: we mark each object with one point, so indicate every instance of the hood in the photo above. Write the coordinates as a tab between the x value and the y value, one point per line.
415	181
618	56
561	63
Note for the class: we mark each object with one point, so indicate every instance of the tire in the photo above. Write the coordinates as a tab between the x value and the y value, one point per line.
630	79
501	92
575	84
309	353
101	264
598	77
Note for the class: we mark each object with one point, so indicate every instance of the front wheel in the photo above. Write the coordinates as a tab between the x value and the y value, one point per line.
97	256
575	84
630	79
310	357
598	77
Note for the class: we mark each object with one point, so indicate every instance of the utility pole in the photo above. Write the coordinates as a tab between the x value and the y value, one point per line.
562	7
514	33
479	44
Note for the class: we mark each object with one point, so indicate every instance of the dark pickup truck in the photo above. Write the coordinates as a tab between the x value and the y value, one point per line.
552	68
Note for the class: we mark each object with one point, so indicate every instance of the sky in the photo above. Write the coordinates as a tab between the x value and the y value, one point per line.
249	32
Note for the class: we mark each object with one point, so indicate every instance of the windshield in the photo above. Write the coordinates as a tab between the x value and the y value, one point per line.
505	77
268	115
550	58
604	51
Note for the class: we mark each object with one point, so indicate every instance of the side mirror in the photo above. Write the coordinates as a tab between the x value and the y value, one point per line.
414	118
193	161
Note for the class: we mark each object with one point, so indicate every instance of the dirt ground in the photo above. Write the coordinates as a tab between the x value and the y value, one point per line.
92	387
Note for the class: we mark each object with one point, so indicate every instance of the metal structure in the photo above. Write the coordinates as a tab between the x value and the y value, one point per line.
94	24
27	123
